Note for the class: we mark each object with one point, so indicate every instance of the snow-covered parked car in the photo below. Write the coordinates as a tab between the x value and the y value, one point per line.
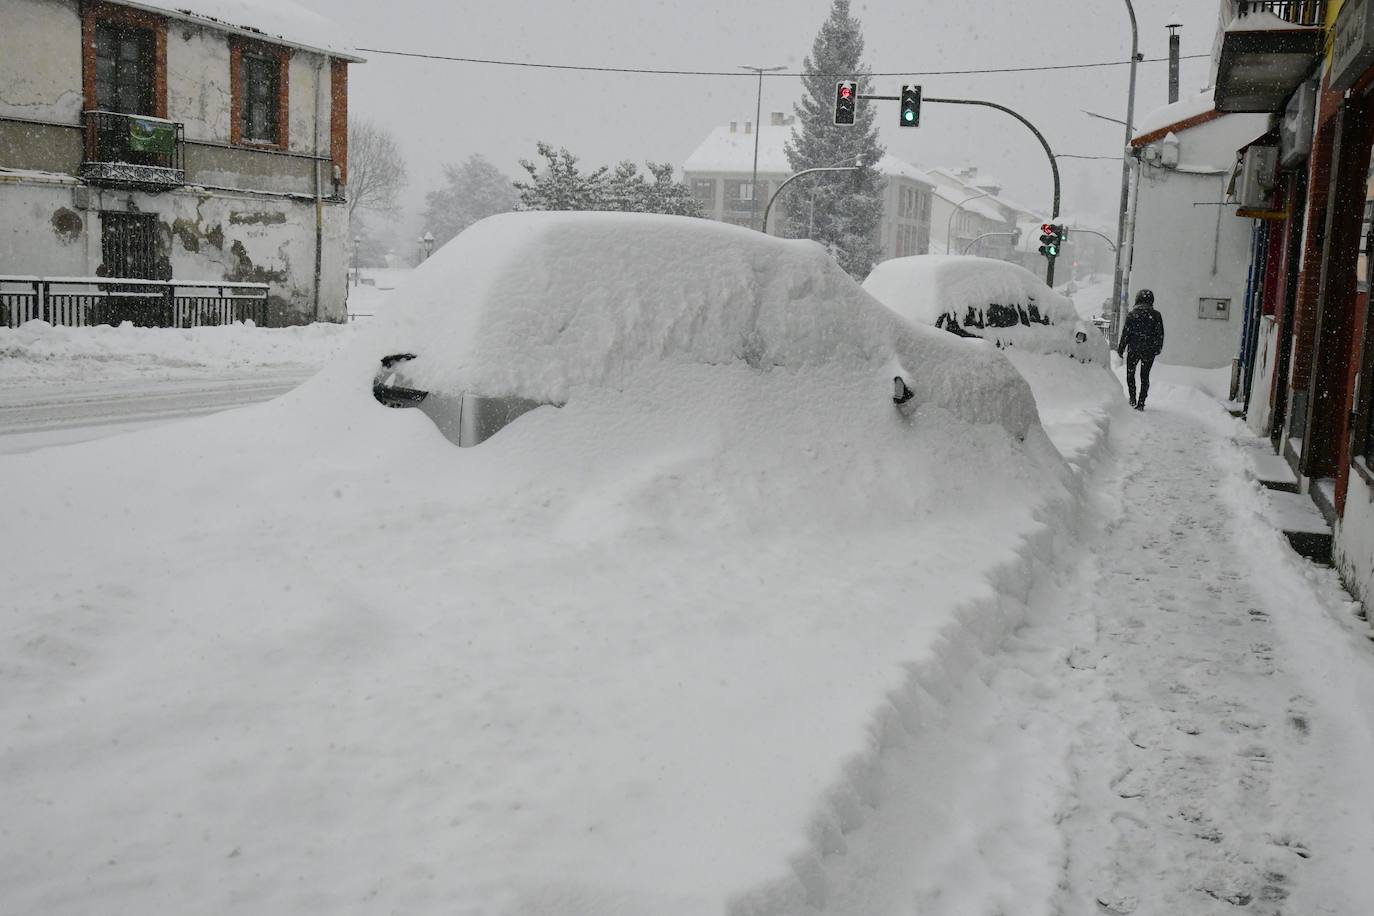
986	298
521	309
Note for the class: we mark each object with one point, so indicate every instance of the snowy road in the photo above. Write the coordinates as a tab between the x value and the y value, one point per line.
1180	728
39	416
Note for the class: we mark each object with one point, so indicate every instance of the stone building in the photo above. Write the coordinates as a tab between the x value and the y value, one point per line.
201	140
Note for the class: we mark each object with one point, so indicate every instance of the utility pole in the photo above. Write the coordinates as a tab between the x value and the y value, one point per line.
758	113
1118	277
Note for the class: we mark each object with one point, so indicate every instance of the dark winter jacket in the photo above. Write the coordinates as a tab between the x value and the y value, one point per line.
1143	333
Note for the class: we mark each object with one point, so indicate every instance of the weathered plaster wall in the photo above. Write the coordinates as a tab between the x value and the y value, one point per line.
43	232
54	230
198	81
309	80
40	60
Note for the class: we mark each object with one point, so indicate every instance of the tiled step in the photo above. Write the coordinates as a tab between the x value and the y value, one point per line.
1303	524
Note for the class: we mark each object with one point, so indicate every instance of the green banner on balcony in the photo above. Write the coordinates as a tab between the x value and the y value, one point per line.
150	136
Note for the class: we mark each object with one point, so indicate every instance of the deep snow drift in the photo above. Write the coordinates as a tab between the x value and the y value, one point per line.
38	352
651	652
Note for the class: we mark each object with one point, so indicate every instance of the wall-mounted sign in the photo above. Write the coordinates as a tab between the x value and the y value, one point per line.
1352	46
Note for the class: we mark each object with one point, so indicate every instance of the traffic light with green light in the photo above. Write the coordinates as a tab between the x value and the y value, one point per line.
1051	237
911	107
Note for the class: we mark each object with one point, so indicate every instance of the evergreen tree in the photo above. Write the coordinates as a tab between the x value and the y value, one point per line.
848	205
560	186
471	191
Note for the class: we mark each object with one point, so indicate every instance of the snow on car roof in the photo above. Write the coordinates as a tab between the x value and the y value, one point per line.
536	304
924	287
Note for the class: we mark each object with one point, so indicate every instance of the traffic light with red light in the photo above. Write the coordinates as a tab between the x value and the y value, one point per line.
911	107
846	96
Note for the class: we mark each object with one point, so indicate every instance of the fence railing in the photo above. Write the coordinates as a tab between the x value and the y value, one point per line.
87	301
131	150
1298	12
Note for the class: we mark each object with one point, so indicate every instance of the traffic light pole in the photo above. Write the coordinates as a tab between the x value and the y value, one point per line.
1054	164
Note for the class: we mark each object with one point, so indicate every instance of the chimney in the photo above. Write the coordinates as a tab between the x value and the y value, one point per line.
1173	61
748	127
775	119
734	126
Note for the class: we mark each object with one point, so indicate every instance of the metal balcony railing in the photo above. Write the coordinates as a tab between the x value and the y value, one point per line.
86	301
133	151
1298	12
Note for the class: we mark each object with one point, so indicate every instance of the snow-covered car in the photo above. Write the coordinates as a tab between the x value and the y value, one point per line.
521	309
986	298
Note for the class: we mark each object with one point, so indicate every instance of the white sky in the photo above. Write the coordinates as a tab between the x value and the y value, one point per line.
445	111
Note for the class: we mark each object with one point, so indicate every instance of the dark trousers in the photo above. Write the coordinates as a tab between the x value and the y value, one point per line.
1145	363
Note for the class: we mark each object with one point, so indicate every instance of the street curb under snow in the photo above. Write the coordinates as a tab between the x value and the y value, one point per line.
981	628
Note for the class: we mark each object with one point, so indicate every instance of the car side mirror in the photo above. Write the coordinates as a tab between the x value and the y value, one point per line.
900	392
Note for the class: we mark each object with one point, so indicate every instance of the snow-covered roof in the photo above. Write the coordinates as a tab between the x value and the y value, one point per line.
924	287
725	150
279	20
1175	116
955	192
893	167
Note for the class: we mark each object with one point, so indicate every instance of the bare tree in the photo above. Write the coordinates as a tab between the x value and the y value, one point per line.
376	169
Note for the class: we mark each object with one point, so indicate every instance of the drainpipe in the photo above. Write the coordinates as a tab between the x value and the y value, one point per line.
319	201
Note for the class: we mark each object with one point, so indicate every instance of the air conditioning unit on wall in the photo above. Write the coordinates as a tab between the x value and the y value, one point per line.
1258	176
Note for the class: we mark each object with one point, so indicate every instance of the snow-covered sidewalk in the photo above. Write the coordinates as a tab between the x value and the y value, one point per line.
1182	728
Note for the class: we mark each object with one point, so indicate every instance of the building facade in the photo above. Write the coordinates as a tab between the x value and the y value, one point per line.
1307	354
150	141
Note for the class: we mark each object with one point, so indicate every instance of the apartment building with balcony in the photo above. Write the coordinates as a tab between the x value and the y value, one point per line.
195	140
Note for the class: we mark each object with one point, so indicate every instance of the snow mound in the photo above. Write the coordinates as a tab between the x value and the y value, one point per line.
535	305
37	350
656	652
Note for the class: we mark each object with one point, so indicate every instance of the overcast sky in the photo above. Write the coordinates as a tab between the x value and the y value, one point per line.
444	111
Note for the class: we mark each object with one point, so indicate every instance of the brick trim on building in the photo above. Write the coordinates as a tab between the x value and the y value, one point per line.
237	47
338	117
93	12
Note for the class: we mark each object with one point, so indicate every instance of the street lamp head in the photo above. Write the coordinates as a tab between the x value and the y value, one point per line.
761	70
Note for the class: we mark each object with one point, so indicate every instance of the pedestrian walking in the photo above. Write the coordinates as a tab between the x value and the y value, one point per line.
1142	339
